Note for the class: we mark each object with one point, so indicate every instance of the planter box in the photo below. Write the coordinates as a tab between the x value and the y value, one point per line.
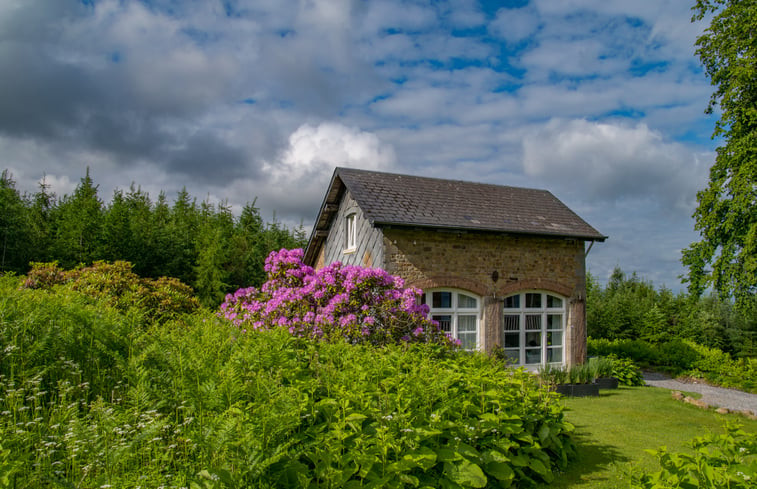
607	383
577	390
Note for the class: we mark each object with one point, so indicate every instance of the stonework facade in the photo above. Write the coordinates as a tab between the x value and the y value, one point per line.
467	260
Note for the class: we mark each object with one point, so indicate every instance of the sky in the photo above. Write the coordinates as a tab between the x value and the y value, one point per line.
600	102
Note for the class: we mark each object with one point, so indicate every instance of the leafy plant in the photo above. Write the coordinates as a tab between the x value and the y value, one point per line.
116	285
552	375
93	397
602	366
581	374
626	371
718	460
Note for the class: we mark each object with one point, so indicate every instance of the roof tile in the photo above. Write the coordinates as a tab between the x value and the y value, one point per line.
433	202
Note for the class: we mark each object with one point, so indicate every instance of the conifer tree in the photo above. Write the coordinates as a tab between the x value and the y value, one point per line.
79	226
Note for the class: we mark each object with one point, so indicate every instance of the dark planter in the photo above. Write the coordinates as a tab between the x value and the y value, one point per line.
578	390
607	383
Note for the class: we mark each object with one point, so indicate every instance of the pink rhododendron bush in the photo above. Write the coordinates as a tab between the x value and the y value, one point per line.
361	305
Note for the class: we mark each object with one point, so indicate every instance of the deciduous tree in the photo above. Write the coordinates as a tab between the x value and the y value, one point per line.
726	217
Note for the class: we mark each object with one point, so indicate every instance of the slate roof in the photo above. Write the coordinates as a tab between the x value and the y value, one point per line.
389	199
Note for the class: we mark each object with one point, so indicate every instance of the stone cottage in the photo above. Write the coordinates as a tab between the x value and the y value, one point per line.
499	266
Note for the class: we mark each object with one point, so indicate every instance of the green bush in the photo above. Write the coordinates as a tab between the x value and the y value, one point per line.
684	357
678	355
718	461
718	367
581	374
602	366
90	397
552	375
637	350
626	371
116	285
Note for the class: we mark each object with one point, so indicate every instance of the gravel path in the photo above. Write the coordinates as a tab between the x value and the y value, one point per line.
714	396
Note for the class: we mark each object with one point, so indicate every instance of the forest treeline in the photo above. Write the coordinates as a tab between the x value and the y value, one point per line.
202	244
630	308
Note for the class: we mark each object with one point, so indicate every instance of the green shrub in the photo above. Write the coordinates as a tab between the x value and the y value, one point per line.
89	397
684	357
552	375
718	367
678	355
626	371
718	461
637	350
602	366
116	285
581	374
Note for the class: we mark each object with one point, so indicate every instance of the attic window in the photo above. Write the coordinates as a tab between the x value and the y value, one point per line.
350	233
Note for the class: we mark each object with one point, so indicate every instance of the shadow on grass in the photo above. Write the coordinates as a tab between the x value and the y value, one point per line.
591	460
609	392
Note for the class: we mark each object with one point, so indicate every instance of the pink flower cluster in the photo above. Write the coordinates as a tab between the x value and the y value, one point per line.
362	305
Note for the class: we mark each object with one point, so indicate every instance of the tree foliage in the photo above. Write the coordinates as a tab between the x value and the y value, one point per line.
630	308
203	244
726	217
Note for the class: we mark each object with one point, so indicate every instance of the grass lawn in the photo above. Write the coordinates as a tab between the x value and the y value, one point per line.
614	429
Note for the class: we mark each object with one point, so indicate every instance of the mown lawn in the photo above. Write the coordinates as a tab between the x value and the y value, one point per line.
613	430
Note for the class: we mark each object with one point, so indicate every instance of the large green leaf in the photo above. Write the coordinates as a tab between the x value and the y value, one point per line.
465	473
425	458
500	470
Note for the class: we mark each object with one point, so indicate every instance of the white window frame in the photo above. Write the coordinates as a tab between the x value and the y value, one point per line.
546	330
456	311
350	232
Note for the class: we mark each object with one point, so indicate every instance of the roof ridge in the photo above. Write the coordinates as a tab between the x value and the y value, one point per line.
339	169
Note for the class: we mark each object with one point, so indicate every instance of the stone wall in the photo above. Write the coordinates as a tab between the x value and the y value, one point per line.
467	260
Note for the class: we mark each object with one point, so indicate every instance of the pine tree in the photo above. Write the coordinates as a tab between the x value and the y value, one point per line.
80	221
14	240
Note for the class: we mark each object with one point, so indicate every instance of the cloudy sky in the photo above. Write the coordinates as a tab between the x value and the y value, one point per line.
599	101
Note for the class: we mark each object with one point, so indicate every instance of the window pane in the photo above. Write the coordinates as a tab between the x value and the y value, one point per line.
349	228
467	341
533	301
533	321
466	324
533	339
554	355
554	321
441	300
423	298
553	301
512	340
445	323
554	338
466	302
533	355
512	302
513	355
512	322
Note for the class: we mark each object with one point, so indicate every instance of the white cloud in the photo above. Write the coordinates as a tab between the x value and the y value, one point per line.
603	162
514	25
298	177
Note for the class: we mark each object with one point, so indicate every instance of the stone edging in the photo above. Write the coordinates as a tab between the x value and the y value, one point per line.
679	396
